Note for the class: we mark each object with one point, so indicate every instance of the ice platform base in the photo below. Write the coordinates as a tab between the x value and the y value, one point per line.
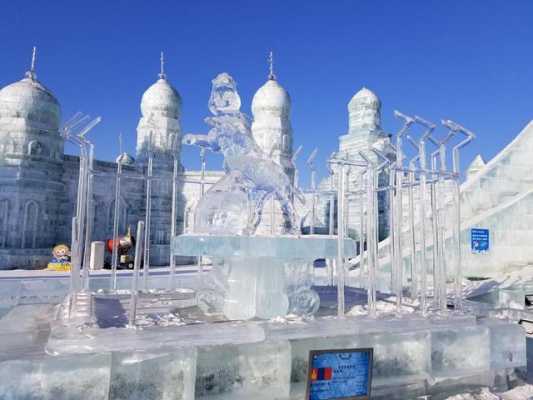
248	360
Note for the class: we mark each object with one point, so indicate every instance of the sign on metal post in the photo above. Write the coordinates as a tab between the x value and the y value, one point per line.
479	240
339	374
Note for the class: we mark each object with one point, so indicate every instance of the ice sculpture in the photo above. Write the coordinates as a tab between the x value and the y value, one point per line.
234	204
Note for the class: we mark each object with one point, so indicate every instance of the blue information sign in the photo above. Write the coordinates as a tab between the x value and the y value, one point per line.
479	240
339	374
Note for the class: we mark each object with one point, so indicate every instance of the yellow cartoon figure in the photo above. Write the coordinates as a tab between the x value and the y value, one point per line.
61	259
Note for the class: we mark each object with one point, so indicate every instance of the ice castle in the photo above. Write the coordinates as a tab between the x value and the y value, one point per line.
39	181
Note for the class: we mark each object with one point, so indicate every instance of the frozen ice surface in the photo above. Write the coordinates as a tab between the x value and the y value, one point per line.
283	247
72	377
155	375
523	392
507	344
68	340
244	371
24	330
456	351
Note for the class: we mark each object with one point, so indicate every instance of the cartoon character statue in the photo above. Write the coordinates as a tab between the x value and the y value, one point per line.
61	258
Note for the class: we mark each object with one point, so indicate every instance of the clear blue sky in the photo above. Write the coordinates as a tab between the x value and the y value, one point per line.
465	60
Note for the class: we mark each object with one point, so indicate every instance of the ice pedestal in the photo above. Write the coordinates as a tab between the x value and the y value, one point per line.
256	287
266	276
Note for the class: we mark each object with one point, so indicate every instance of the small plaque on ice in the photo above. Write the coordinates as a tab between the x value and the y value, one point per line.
479	240
342	374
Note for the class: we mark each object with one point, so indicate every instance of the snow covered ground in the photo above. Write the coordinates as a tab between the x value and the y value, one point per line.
524	392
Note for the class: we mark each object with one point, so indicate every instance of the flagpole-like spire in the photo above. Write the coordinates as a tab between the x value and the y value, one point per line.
162	67
31	73
271	74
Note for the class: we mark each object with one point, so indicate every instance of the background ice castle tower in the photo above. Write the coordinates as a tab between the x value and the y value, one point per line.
364	132
159	131
272	130
31	157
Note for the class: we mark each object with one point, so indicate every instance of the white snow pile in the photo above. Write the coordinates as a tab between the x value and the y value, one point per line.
503	281
524	392
385	307
169	319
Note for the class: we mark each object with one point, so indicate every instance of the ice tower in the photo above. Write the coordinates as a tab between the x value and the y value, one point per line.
159	132
31	157
364	132
272	130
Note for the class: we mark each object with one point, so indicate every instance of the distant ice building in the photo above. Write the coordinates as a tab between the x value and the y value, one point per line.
38	182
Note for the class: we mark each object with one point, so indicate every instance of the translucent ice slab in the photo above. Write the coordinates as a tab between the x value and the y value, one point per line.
244	371
282	247
52	378
157	375
24	330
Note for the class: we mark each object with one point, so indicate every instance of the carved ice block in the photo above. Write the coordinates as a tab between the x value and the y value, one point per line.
97	255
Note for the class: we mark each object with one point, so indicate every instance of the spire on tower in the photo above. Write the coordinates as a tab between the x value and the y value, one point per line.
162	71
271	74
31	73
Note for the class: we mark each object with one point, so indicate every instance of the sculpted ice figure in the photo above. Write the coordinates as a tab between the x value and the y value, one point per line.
234	205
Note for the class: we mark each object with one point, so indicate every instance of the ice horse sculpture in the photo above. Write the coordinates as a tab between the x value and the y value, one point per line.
251	176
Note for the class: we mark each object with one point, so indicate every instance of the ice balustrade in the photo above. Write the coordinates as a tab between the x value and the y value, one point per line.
433	229
253	178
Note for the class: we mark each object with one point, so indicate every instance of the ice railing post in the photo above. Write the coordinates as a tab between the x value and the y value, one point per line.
456	235
373	172
331	217
437	193
342	163
420	147
75	131
116	221
148	214
174	211
397	178
134	295
311	164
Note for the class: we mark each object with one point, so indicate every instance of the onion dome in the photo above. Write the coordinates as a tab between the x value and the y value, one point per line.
364	97
125	159
273	97
364	111
31	100
161	99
